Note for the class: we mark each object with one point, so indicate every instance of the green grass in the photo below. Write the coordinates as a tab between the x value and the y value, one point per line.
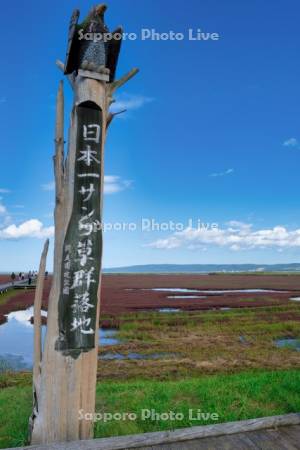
233	397
8	295
204	342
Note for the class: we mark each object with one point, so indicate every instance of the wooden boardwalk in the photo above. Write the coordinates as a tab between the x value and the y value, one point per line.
5	286
282	438
268	433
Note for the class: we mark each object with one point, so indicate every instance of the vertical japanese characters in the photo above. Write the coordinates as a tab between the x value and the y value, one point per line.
83	243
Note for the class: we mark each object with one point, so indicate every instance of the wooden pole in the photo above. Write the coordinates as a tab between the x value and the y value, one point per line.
69	364
37	320
59	144
68	369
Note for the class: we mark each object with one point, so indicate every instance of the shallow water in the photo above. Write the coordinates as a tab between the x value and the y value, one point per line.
172	290
187	296
169	310
241	291
295	299
209	291
107	336
291	343
243	340
16	340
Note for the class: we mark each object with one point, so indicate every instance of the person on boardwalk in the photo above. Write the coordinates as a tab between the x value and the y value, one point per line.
13	277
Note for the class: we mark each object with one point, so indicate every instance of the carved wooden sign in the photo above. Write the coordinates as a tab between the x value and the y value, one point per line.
65	372
82	249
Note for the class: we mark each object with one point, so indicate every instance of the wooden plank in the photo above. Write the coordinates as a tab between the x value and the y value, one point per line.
230	442
278	439
245	442
235	441
177	436
270	440
292	434
284	439
253	440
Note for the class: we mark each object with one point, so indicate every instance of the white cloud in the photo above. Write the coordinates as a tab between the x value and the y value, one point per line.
2	209
130	102
32	228
114	184
291	142
236	225
222	174
235	236
7	220
4	191
48	186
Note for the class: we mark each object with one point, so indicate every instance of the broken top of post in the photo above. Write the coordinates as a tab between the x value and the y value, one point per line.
93	51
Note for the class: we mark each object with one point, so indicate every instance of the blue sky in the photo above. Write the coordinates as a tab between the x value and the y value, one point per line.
211	133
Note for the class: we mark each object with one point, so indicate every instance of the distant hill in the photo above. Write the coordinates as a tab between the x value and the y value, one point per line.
205	268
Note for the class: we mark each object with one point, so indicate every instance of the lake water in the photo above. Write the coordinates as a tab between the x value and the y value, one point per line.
208	291
291	343
16	340
169	310
187	296
172	290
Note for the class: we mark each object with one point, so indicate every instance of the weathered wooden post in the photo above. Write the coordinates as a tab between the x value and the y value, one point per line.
65	379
